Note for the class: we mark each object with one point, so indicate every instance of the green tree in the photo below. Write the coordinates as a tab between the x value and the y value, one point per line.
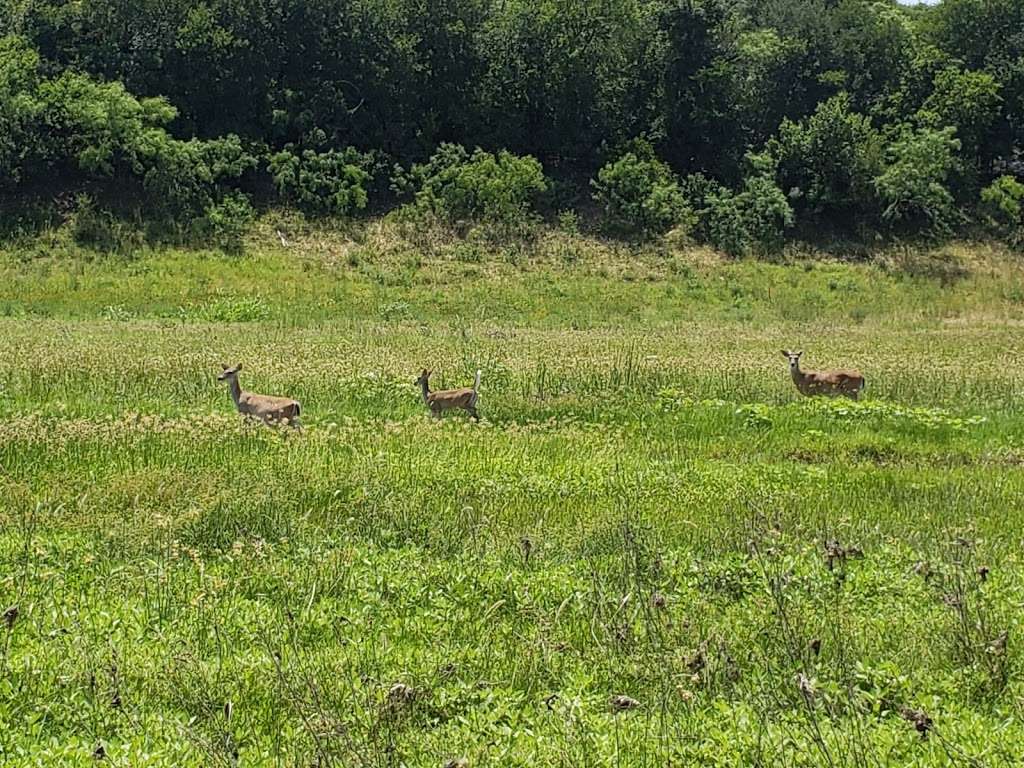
912	186
640	193
829	160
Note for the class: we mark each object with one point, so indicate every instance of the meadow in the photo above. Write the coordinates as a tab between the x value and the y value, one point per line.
650	552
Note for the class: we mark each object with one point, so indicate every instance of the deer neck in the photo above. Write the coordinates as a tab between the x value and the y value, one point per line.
425	386
798	376
236	390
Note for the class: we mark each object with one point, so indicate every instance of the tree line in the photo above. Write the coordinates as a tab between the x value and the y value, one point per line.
740	121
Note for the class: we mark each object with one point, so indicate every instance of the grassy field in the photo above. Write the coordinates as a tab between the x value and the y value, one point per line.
648	509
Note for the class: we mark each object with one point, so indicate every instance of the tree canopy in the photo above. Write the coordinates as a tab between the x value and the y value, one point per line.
846	97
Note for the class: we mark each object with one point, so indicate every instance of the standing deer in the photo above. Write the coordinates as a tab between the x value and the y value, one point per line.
272	410
446	400
847	383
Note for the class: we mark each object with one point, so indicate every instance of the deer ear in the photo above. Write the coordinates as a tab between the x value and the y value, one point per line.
785	353
238	367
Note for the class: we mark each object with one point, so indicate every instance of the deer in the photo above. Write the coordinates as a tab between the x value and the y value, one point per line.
842	383
449	399
271	410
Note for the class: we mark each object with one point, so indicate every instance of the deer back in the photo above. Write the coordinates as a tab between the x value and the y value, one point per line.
269	408
452	398
827	382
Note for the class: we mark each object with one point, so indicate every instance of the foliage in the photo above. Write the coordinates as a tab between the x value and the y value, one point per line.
228	221
912	184
966	100
1002	204
639	192
325	182
753	219
184	178
102	92
19	107
829	161
458	186
101	230
76	127
1003	201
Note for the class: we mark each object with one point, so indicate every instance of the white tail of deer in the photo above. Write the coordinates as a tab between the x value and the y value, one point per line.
271	410
842	382
446	400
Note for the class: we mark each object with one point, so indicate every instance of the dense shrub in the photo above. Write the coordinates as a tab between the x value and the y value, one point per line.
829	160
912	185
458	186
185	178
1002	205
751	220
19	108
226	222
333	182
640	193
74	127
966	100
823	86
99	129
99	228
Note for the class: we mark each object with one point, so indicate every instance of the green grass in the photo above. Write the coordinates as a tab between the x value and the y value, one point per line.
648	509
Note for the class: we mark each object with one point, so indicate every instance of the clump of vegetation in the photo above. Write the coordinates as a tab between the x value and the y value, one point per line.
1002	205
639	193
748	221
460	187
333	182
827	162
912	185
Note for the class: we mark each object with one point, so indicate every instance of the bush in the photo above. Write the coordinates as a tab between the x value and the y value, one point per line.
639	192
458	186
185	178
723	223
830	159
99	129
19	107
766	210
1002	205
227	222
1003	202
333	182
740	223
85	129
912	186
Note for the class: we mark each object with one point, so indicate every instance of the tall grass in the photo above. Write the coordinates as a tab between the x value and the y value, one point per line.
648	510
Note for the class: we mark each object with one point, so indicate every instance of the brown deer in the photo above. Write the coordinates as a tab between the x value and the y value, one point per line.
846	383
446	400
272	410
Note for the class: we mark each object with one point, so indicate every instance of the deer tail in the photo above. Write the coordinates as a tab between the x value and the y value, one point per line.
476	382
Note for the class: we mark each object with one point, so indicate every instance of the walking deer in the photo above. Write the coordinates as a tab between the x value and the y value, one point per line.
272	410
843	382
446	400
